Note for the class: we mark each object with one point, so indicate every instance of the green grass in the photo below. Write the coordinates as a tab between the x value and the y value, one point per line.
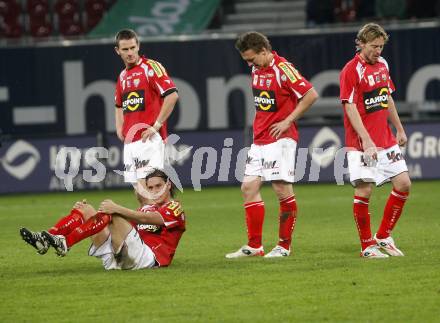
324	279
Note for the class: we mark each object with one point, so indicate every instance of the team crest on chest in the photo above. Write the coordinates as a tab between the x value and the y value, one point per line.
136	82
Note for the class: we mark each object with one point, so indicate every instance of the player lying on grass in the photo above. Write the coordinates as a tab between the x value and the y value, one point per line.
122	238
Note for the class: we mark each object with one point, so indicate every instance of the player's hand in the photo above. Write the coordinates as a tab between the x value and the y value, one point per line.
401	138
148	133
80	204
277	129
370	152
108	206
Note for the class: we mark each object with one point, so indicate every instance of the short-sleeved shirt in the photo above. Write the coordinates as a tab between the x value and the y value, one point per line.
140	91
368	87
276	89
163	239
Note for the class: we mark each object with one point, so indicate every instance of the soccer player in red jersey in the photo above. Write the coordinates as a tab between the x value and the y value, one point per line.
281	96
145	97
373	153
121	238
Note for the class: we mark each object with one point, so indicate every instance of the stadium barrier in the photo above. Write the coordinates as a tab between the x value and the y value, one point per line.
198	159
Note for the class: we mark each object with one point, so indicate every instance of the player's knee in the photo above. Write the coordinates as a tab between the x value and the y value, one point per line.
364	191
403	186
248	189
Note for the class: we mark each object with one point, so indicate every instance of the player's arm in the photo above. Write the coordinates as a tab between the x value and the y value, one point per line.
303	105
119	120
169	102
356	121
395	120
110	207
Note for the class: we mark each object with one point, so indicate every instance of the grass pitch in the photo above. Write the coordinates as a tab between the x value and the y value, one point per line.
324	279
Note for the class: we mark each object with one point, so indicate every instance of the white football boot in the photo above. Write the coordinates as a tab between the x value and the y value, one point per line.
388	246
373	252
277	252
246	251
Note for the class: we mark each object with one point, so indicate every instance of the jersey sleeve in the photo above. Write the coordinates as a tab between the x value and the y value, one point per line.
118	93
348	81
159	78
172	215
292	80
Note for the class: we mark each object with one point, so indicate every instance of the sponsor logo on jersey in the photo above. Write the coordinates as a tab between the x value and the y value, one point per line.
133	101
157	67
264	100
376	100
290	72
149	227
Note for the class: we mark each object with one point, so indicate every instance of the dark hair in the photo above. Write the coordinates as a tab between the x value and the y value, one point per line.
252	40
125	34
161	174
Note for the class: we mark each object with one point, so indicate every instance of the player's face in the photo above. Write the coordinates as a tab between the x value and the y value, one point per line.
159	189
371	51
128	49
259	60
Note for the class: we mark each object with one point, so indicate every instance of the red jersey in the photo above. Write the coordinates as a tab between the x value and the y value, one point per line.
276	89
368	86
139	92
163	239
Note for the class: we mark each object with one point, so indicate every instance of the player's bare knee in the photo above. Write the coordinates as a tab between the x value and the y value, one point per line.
364	190
403	185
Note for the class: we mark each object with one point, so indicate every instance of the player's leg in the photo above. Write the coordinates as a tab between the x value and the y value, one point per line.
362	194
64	226
362	177
94	225
280	169
392	212
253	206
130	252
287	218
392	167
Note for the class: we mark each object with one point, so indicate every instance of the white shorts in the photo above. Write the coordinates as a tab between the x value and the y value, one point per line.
141	158
272	162
134	253
390	163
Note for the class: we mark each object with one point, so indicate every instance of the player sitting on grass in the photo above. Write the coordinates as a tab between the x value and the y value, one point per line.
122	238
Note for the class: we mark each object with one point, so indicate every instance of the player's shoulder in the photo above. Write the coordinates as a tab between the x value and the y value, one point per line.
155	66
148	208
122	74
351	65
383	61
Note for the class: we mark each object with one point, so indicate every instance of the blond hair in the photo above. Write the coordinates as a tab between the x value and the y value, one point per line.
370	32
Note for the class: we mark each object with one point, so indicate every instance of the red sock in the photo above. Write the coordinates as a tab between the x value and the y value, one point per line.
254	222
392	213
362	218
68	223
287	220
92	226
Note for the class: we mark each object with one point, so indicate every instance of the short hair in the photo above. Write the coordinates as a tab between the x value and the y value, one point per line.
370	32
252	40
125	34
161	174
